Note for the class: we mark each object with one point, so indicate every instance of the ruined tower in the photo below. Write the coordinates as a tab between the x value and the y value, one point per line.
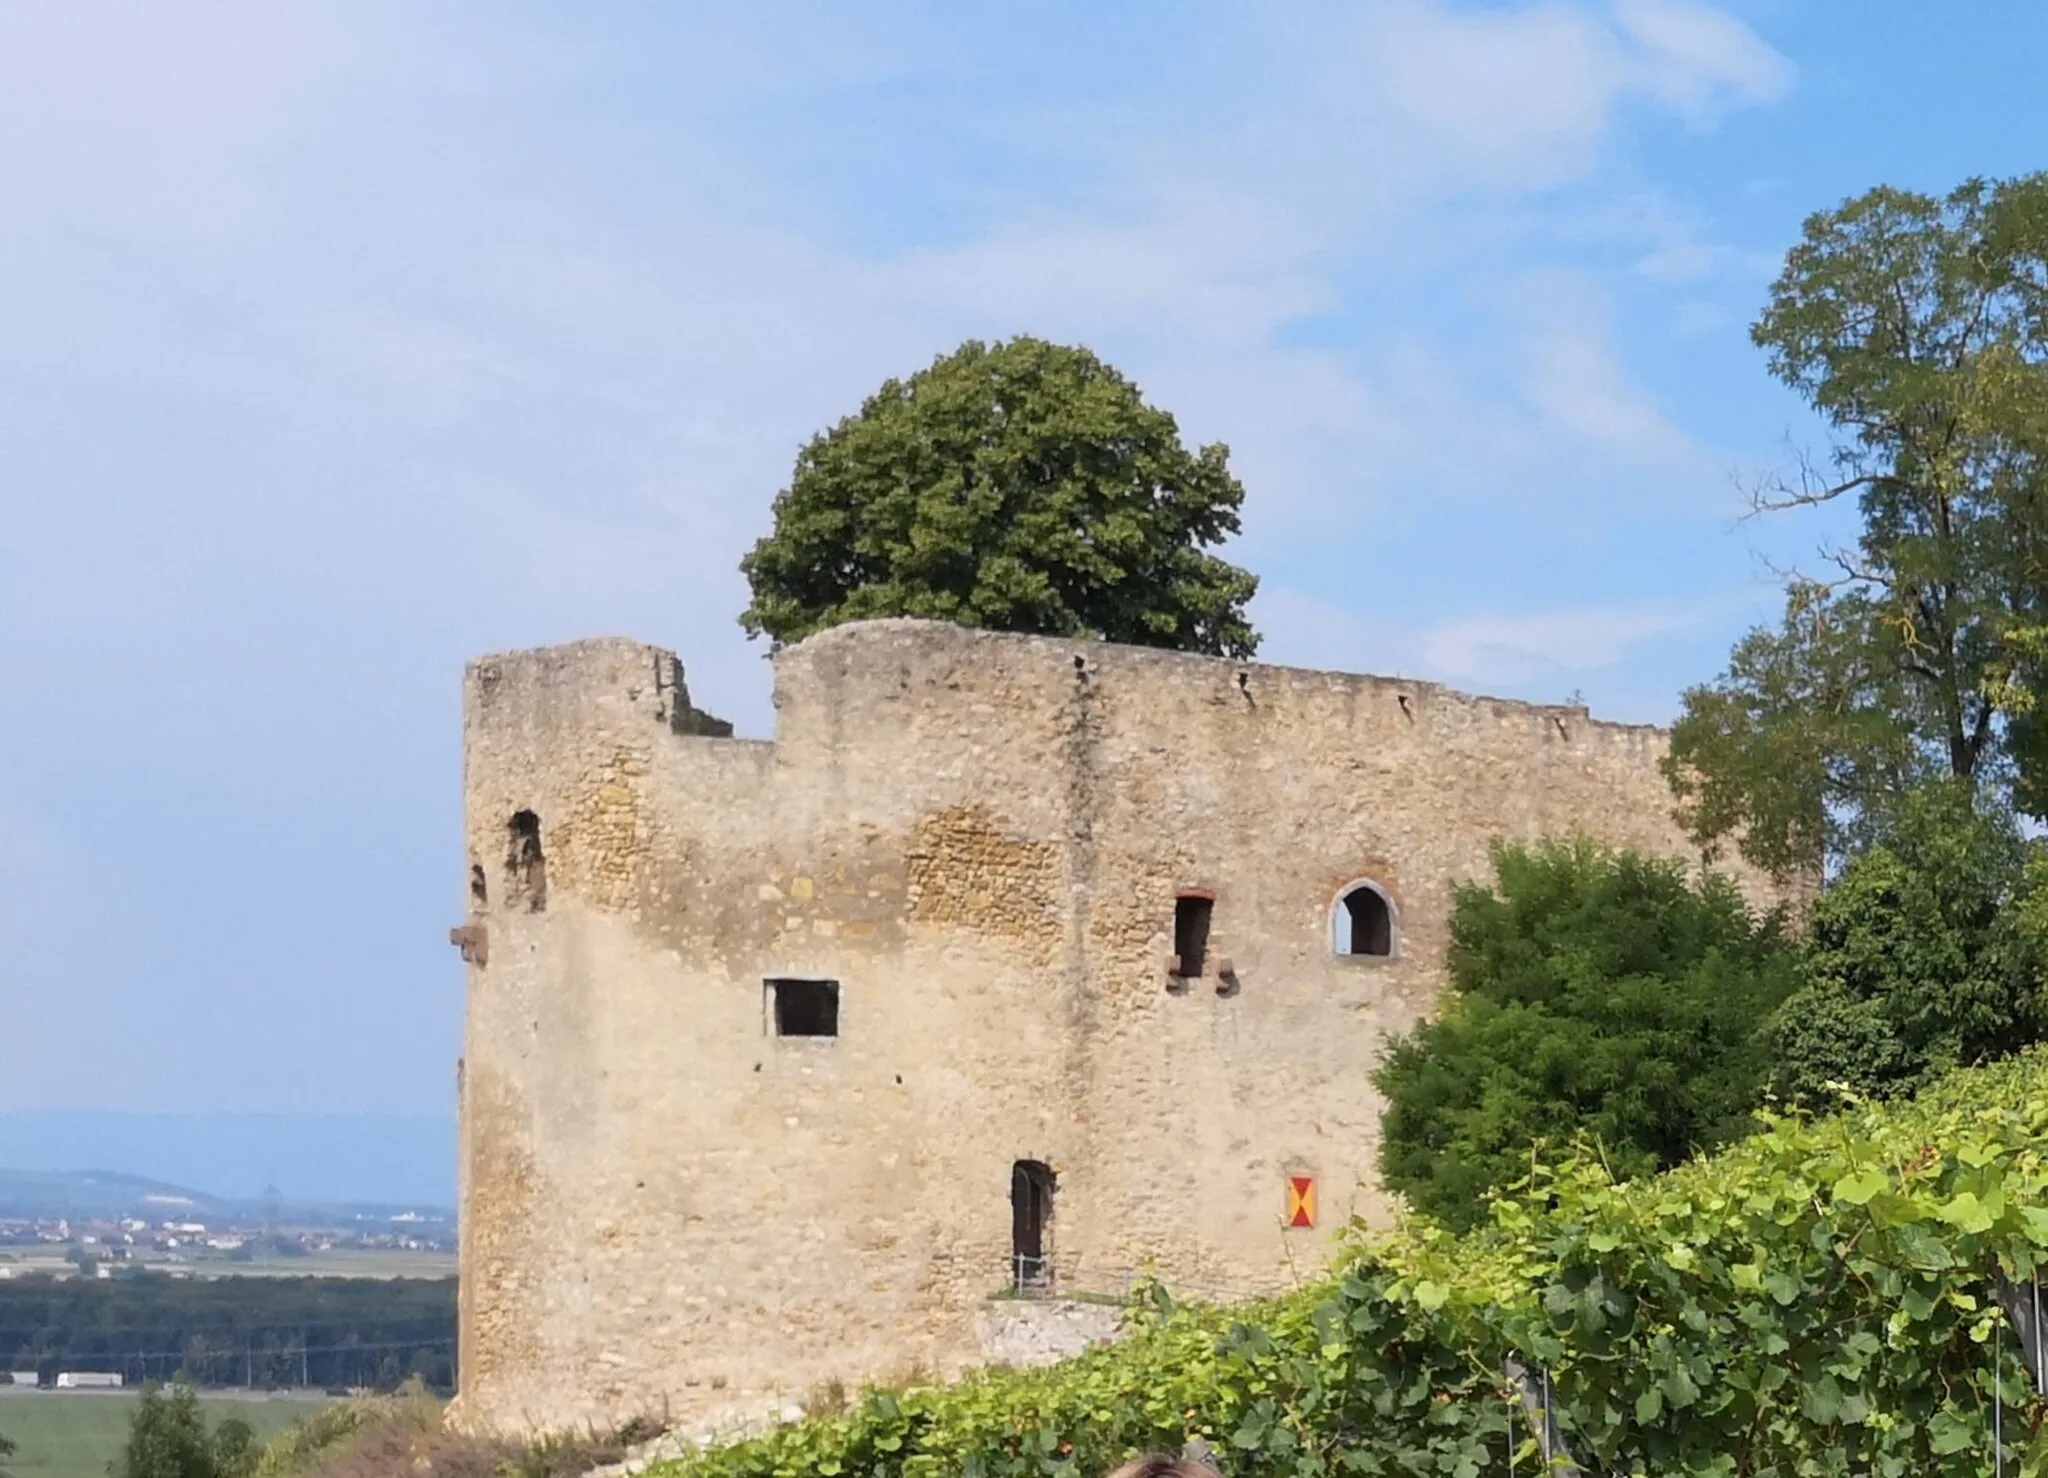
1011	963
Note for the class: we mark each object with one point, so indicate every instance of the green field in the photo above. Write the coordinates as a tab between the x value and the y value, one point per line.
64	1434
340	1262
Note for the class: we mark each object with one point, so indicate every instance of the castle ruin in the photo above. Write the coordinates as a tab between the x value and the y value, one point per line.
1011	964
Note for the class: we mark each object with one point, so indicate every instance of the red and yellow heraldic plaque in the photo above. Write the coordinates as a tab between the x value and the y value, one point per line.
1301	1200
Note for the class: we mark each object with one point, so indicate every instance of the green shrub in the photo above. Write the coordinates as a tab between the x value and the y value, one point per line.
1816	1300
1591	992
168	1438
404	1436
316	1439
1925	954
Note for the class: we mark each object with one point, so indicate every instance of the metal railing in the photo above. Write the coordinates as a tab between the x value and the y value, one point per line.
1030	1274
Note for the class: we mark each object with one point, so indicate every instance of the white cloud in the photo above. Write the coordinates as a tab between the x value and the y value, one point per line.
1683	261
1569	375
156	119
1695	318
1302	630
1494	653
1516	650
1511	650
1701	61
1524	96
68	932
1680	255
1572	378
1516	95
349	341
1677	242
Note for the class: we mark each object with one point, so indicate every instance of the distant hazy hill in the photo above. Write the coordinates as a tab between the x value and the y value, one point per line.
311	1159
100	1193
89	1194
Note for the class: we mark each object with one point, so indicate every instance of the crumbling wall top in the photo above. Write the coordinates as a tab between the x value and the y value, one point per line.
917	644
546	686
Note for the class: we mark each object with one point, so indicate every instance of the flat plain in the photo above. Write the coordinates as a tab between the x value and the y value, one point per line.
339	1262
75	1434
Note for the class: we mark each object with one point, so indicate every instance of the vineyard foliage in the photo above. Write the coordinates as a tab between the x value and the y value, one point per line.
1821	1298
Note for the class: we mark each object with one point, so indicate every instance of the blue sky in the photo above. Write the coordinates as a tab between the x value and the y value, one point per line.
339	343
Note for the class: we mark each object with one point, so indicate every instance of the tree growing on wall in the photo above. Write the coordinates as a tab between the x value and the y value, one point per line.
1927	954
1591	993
1021	486
1917	328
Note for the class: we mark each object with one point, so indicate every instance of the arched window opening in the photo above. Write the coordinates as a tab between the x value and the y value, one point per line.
525	867
1031	1190
1363	923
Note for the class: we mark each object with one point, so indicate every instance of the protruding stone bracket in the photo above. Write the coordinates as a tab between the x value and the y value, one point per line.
474	940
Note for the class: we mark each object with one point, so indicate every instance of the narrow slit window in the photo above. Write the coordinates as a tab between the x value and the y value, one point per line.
526	866
1364	923
1191	915
804	1008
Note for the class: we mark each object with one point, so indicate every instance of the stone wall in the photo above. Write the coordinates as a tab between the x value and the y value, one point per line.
1025	1332
981	839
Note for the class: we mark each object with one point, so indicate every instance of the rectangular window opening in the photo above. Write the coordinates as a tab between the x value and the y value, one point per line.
804	1008
1191	913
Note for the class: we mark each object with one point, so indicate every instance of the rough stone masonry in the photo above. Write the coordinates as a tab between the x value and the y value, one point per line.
1011	963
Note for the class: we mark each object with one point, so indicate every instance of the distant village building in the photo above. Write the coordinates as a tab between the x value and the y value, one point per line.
1011	965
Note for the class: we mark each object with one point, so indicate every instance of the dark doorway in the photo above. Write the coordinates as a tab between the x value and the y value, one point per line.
1191	914
1031	1190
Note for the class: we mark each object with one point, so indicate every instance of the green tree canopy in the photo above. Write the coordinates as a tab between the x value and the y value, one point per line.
1591	992
1918	329
1925	954
167	1438
1023	486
